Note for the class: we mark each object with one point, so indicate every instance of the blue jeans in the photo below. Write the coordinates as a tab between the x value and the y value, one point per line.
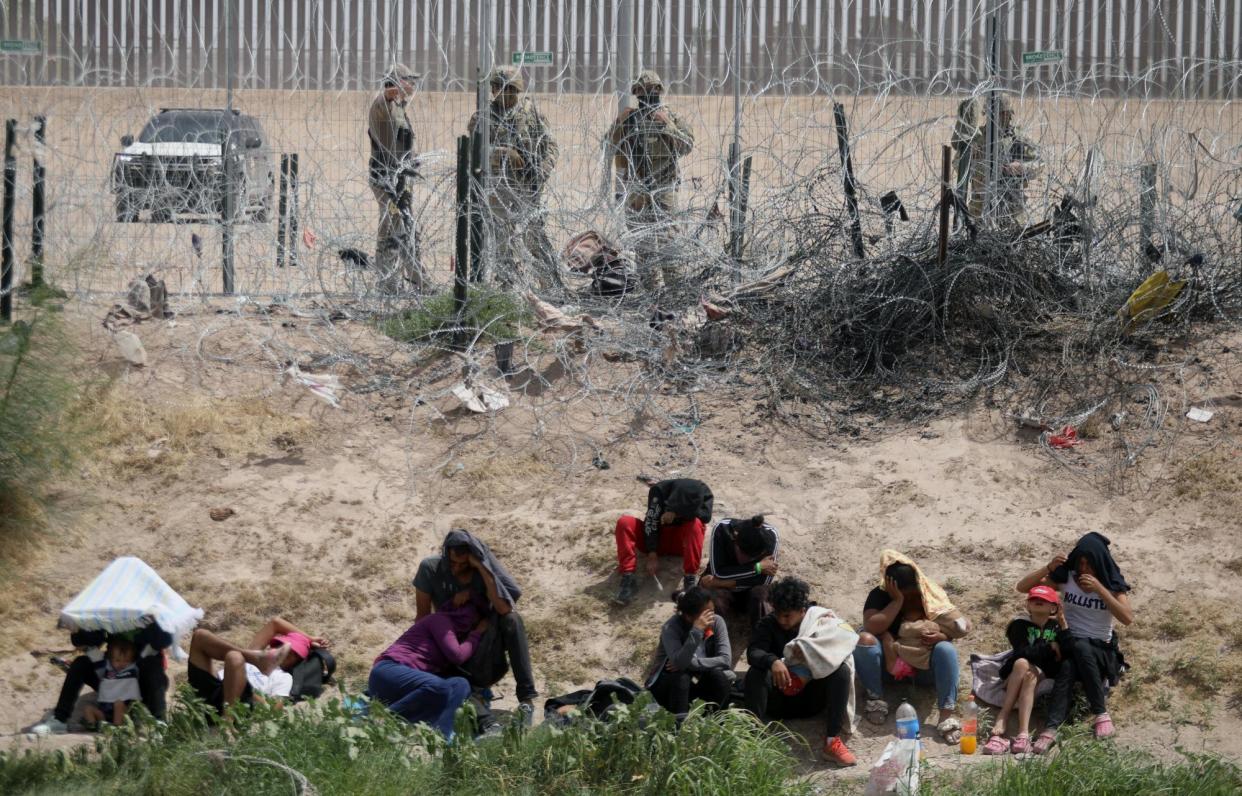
869	665
418	696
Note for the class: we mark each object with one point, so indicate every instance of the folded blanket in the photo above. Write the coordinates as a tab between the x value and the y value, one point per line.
128	595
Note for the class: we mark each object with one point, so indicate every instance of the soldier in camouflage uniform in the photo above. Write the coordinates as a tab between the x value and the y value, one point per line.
523	155
647	142
391	171
1019	163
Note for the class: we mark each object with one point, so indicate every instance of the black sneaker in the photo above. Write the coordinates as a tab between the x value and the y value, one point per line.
629	587
688	582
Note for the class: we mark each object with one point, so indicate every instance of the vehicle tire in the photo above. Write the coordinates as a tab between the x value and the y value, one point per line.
126	209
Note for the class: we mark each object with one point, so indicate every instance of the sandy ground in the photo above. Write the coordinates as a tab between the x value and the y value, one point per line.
896	146
335	507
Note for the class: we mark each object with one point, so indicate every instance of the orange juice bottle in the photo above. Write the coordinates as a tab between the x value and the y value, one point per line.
970	727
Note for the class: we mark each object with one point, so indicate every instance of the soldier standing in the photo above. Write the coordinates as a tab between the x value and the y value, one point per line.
391	172
647	143
523	155
1018	164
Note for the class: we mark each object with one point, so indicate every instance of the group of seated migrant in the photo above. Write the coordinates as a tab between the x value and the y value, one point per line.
802	657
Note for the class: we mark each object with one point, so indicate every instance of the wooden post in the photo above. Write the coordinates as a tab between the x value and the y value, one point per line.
283	211
847	170
477	176
735	191
228	211
6	235
946	199
37	205
461	262
743	202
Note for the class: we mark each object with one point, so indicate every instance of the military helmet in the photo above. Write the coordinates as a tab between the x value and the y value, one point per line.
504	76
647	80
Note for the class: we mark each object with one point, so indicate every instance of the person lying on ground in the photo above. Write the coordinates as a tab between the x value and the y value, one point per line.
466	564
1036	656
678	511
779	686
693	659
87	669
742	566
118	684
412	676
263	669
1094	597
906	595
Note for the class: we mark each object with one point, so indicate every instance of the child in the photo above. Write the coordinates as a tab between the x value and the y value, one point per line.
1036	655
906	653
118	683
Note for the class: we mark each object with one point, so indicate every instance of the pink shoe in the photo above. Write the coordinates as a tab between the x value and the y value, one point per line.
1103	727
996	745
901	670
1021	744
1044	742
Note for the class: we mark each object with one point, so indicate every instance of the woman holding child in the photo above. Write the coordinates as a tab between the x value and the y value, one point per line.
1094	597
910	627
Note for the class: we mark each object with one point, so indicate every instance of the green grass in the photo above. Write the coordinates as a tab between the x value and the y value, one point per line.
1084	767
268	751
492	314
38	435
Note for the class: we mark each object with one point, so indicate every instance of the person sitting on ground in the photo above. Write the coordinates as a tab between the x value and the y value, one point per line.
1036	656
118	683
263	669
466	564
410	676
906	595
693	660
907	653
1094	596
678	511
86	669
742	566
779	685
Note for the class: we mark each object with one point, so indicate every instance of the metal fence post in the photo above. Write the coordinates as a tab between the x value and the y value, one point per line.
1147	209
293	209
946	199
6	244
282	206
461	262
37	205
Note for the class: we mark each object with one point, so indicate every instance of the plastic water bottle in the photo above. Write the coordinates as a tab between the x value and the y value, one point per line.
970	727
907	723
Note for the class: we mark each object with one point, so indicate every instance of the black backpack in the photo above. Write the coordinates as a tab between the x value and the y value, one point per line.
312	674
597	702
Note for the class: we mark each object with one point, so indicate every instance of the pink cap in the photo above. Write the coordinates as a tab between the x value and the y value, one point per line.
299	643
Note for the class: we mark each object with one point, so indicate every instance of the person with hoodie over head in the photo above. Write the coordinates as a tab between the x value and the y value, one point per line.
467	564
1094	598
678	510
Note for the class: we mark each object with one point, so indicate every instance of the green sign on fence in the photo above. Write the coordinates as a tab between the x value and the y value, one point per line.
1036	57
21	46
532	58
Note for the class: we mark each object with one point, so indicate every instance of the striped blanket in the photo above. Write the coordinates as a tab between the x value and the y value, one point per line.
129	595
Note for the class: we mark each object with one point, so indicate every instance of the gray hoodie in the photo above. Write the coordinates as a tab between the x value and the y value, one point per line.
689	650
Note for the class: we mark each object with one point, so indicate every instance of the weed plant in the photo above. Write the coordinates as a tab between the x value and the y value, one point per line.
325	748
490	314
1085	767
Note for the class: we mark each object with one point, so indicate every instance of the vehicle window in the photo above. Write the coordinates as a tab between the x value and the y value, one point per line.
197	128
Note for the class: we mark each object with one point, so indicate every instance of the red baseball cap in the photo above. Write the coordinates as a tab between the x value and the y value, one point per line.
1045	593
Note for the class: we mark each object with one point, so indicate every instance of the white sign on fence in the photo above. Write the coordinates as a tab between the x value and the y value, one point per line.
532	58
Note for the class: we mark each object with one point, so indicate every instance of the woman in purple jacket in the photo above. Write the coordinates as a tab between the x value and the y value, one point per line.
407	678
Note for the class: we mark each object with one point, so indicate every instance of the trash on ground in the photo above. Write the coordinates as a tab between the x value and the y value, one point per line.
1065	438
324	385
480	398
1200	415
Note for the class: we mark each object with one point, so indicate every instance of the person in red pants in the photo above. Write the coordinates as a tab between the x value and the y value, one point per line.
677	513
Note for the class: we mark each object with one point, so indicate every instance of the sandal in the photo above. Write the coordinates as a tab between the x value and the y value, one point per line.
996	745
1021	744
1044	742
876	710
1103	727
950	730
